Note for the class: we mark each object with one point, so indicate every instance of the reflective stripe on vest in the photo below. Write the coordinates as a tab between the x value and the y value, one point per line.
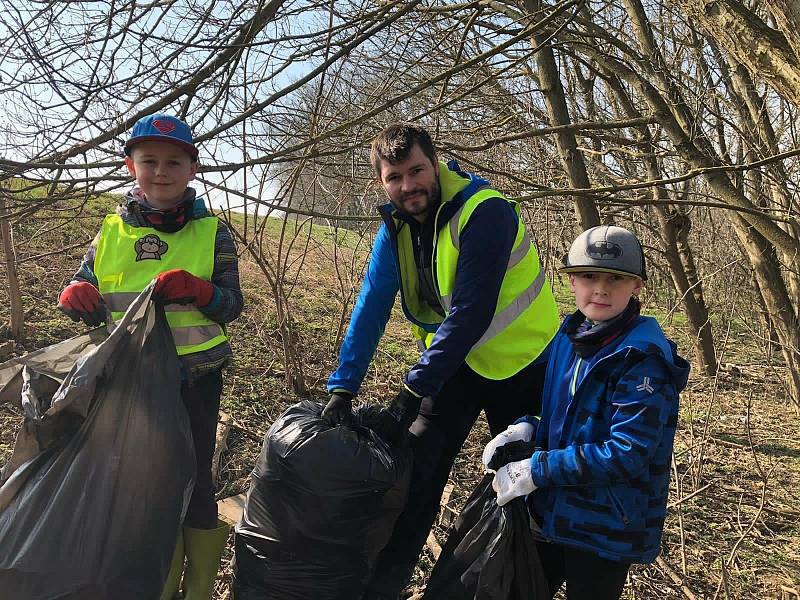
129	257
509	314
514	258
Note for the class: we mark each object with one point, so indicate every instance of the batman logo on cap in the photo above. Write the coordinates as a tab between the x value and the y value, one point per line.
603	250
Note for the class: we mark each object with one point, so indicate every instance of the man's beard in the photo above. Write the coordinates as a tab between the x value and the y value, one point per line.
432	200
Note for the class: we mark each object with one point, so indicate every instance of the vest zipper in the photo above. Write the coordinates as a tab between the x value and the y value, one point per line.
433	259
572	385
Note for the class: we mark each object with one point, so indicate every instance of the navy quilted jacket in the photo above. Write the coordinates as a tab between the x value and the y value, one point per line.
606	434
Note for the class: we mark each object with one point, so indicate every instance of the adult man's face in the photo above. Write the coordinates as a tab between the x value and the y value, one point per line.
412	184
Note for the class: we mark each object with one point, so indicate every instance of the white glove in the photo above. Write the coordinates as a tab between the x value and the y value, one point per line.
517	432
513	480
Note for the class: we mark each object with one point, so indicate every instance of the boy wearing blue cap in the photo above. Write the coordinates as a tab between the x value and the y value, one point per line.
163	231
597	478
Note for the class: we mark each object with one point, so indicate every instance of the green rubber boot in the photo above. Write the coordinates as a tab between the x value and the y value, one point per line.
175	571
203	549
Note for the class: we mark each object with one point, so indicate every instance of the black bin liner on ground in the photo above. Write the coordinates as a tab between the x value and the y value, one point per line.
92	499
490	553
322	504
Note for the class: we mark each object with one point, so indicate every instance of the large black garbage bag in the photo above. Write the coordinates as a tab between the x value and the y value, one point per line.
490	553
102	470
322	504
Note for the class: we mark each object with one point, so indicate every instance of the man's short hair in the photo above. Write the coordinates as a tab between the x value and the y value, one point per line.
395	142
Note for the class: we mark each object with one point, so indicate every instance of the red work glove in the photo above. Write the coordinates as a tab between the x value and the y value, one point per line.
82	301
180	286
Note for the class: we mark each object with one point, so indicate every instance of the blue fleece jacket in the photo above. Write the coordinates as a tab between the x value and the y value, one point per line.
605	443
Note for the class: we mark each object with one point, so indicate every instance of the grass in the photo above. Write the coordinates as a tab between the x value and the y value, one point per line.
737	433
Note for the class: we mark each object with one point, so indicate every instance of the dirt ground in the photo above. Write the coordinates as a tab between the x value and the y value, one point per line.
733	529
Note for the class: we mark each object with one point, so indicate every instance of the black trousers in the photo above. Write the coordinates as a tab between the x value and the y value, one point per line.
201	399
443	424
588	577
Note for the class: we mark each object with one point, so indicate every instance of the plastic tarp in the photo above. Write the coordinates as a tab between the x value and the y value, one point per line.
490	553
94	494
322	504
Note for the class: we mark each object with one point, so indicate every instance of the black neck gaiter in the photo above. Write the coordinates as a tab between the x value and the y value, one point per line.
168	220
588	341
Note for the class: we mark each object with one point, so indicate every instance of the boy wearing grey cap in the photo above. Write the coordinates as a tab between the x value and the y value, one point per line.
597	478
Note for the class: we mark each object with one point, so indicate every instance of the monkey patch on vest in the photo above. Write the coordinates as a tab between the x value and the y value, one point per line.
150	247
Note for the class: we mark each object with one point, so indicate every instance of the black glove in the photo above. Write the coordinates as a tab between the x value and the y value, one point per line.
339	408
393	422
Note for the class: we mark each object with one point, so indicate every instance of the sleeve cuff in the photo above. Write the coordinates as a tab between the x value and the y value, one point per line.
214	303
537	461
411	390
532	419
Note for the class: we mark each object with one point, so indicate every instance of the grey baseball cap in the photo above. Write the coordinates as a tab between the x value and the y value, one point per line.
608	249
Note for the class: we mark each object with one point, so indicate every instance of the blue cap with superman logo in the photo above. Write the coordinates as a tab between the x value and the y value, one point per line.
162	128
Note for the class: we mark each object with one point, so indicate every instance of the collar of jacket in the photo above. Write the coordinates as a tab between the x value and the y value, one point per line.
456	186
644	336
129	208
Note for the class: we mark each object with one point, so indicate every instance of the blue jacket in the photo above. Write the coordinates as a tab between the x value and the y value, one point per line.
606	435
486	243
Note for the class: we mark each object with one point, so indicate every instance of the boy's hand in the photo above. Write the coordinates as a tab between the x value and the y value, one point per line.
511	452
179	286
82	301
516	432
512	481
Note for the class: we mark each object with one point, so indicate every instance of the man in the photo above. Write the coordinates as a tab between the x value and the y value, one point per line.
481	309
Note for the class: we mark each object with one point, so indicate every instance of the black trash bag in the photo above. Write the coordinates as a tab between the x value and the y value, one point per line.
490	554
104	467
322	504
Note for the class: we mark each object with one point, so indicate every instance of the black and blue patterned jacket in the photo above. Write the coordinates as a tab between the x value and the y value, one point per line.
606	434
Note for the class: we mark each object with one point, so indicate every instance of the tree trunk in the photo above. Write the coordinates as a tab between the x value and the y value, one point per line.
697	152
763	313
15	298
751	105
766	52
787	17
773	290
674	228
558	113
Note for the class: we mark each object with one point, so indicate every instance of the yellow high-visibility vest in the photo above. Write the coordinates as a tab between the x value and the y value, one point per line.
128	258
526	317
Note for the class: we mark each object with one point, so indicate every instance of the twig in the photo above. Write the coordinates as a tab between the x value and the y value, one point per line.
254	435
692	495
785	590
681	529
223	429
675	578
433	546
82	243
